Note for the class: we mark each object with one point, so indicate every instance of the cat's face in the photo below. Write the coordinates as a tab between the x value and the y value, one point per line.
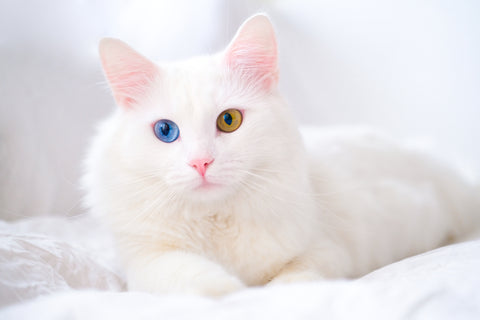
205	128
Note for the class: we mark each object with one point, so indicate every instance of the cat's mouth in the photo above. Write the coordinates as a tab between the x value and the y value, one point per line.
211	186
206	185
207	190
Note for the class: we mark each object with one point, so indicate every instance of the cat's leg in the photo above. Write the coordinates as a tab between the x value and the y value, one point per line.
295	271
181	272
317	264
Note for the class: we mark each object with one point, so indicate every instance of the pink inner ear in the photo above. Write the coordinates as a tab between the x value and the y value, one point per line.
255	62
130	74
252	54
130	86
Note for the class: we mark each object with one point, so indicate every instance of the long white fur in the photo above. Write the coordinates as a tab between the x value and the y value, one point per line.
348	203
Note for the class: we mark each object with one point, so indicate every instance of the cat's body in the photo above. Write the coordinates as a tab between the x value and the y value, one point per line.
213	211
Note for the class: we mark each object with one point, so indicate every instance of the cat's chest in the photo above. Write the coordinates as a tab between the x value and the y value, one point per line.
252	249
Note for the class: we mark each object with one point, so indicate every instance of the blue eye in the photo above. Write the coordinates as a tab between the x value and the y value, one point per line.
166	130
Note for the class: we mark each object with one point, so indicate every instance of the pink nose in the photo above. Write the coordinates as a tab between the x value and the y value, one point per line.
201	165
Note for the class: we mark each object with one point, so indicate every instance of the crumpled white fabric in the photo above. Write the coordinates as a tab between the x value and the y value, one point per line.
46	255
69	270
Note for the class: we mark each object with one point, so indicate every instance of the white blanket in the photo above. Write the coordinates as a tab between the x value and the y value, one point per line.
54	268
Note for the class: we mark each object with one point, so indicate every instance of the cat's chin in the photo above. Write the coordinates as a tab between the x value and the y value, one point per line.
206	191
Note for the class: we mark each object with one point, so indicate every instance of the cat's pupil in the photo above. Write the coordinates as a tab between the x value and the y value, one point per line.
227	117
165	129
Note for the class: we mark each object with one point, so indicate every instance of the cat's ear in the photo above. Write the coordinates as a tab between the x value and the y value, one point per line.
253	52
129	73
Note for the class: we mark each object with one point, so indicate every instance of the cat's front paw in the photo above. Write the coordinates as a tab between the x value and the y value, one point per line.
214	285
182	272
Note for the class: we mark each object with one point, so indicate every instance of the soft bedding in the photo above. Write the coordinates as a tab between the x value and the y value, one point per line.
56	268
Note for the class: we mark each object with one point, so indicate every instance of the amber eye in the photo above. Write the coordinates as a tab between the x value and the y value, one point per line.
229	120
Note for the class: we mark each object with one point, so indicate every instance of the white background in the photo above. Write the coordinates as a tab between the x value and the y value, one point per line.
411	68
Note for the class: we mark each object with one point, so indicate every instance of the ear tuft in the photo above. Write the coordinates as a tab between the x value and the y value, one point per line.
129	73
253	52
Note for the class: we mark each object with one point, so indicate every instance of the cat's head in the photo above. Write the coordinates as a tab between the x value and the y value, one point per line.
205	128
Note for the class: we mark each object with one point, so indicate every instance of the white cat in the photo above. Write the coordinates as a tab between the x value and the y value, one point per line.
204	180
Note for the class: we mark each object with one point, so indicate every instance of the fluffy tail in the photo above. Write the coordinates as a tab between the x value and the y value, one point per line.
467	213
461	198
474	232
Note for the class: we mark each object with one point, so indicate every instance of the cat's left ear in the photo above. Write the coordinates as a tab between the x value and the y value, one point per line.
129	74
253	52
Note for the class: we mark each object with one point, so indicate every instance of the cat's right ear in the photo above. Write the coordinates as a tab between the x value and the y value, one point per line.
253	52
129	73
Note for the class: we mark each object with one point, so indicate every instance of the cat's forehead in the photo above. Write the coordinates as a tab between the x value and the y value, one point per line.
191	85
197	76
